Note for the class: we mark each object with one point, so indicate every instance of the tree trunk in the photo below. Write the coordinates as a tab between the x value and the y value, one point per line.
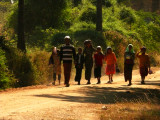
99	15
21	40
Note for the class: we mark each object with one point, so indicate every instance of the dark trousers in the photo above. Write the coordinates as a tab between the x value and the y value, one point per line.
78	74
67	72
97	72
144	71
88	72
128	71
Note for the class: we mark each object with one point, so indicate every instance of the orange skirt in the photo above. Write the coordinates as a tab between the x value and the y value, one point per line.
110	69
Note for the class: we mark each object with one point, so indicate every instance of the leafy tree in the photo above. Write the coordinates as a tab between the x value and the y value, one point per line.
89	15
127	16
43	13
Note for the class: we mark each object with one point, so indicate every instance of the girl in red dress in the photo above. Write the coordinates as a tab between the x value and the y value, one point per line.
110	59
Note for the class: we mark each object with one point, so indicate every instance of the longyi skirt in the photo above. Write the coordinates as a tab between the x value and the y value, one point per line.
144	71
97	72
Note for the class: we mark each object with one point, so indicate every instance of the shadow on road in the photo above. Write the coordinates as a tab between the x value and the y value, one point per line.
107	95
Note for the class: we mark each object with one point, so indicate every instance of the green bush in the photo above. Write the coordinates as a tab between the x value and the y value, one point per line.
127	15
89	15
30	68
78	26
96	37
5	76
20	65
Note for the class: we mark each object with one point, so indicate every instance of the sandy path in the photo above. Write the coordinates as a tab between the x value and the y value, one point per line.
76	102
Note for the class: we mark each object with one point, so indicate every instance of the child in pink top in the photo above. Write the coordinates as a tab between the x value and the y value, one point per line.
110	59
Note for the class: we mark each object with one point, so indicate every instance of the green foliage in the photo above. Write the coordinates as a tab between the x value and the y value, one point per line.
46	14
21	67
117	41
89	15
4	11
58	39
82	26
96	37
127	15
29	69
5	77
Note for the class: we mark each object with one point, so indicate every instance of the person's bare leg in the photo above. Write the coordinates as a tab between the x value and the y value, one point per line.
98	80
142	78
111	77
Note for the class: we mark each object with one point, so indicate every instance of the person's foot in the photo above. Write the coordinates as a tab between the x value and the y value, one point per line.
53	83
67	85
109	82
142	82
78	83
129	84
98	82
88	82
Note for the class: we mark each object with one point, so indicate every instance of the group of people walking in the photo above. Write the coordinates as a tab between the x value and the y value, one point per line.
90	56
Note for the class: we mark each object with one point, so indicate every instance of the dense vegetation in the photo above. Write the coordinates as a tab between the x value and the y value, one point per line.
47	22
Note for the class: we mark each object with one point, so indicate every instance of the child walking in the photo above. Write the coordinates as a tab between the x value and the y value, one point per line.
98	56
144	64
55	60
110	59
129	57
88	55
79	60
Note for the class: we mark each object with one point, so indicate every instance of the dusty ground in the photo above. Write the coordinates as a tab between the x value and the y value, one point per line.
82	102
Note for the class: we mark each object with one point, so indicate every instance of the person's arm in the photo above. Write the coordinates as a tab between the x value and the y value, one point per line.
105	57
74	54
133	56
51	61
115	59
149	63
94	50
124	57
137	55
61	53
84	51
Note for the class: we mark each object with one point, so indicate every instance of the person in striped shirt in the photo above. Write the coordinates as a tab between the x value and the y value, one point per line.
67	53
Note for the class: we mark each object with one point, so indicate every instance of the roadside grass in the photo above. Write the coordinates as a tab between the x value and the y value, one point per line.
134	110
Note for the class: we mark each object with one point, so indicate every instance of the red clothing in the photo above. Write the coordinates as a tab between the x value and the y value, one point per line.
143	60
110	69
111	59
67	72
98	59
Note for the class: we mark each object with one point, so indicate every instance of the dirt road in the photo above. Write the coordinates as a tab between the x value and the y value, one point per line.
75	102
